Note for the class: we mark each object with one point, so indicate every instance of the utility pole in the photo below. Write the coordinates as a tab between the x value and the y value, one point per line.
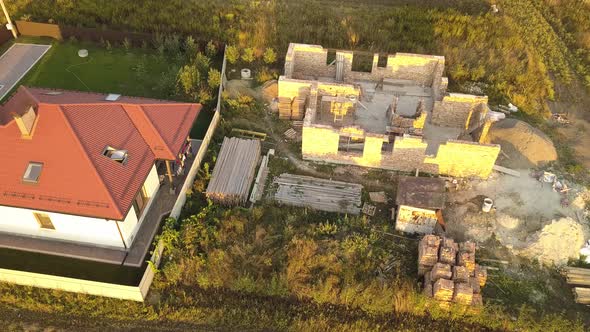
12	26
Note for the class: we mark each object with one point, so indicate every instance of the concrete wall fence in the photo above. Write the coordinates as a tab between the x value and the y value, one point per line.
134	293
62	32
5	35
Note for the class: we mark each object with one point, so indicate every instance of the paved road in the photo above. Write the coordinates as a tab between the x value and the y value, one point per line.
16	62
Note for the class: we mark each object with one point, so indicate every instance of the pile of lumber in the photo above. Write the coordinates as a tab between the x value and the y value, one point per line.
284	108
449	270
234	171
580	277
298	108
319	194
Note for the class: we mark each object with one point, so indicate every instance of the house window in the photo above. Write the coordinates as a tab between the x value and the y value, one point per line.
140	202
44	221
117	155
33	172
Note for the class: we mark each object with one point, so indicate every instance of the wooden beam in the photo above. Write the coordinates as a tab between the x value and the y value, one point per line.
169	171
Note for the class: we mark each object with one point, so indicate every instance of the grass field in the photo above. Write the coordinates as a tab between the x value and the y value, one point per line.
133	72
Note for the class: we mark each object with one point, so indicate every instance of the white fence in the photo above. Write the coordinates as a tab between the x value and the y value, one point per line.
134	293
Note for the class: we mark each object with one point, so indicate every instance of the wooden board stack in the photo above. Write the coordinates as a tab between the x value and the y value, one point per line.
284	108
580	277
298	108
319	194
449	270
234	171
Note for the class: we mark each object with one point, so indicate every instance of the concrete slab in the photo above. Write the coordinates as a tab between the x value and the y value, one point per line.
62	248
16	62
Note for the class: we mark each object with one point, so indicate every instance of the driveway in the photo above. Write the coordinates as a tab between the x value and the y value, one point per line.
16	62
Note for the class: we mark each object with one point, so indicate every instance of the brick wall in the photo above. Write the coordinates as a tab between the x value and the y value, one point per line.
465	159
455	110
319	141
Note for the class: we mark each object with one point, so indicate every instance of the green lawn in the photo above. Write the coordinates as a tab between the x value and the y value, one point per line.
134	72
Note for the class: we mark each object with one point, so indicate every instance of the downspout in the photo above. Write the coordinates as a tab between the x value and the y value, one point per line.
120	234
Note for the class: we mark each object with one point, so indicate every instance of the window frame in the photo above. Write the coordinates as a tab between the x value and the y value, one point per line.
29	167
42	219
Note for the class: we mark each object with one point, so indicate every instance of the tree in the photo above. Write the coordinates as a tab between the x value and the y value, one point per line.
269	56
232	54
190	47
213	78
248	56
189	79
211	49
202	62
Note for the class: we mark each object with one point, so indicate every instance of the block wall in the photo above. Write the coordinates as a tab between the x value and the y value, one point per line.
319	141
465	159
291	88
455	110
309	60
372	150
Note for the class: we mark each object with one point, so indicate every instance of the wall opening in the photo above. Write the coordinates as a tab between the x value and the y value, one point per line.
331	58
382	62
362	62
351	144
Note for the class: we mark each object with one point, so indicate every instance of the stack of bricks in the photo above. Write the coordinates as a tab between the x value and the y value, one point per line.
449	270
284	108
298	108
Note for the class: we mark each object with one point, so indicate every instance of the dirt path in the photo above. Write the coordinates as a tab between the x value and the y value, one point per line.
574	101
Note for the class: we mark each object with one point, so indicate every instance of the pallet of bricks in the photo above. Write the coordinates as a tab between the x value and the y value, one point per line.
449	270
291	109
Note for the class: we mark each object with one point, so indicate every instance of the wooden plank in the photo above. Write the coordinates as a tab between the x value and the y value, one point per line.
505	170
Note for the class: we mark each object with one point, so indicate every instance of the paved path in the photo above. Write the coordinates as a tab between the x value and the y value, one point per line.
16	62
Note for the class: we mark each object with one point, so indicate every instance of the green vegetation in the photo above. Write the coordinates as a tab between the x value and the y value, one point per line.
281	268
513	52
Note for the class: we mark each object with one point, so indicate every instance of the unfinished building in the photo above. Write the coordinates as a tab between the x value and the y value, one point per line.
395	115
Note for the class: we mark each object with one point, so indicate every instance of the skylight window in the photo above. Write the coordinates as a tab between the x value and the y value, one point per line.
33	172
112	97
116	154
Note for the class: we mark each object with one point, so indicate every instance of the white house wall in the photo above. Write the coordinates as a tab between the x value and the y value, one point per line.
95	231
67	227
130	225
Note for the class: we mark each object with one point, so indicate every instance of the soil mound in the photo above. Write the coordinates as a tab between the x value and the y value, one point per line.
524	145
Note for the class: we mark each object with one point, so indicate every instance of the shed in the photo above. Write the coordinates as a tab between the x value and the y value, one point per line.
418	199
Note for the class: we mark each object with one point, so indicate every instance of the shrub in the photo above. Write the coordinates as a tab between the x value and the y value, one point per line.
249	55
232	54
126	44
190	47
202	63
269	56
213	78
211	49
264	75
188	79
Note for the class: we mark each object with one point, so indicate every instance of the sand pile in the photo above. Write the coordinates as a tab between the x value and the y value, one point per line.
525	145
556	243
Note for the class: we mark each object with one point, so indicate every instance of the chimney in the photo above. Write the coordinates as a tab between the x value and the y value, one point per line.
25	122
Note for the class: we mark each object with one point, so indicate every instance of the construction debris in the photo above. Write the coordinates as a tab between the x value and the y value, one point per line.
320	194
447	276
378	197
258	188
290	134
369	209
234	171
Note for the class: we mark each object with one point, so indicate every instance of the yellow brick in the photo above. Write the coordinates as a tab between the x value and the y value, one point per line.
319	141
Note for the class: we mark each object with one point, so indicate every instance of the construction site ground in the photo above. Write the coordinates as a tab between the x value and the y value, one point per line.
521	240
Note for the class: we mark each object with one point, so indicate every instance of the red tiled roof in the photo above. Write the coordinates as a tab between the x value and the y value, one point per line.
71	131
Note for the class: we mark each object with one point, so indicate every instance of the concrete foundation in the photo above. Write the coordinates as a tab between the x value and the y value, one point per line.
395	117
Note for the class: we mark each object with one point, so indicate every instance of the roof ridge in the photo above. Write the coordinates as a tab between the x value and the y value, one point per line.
93	166
99	93
151	124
